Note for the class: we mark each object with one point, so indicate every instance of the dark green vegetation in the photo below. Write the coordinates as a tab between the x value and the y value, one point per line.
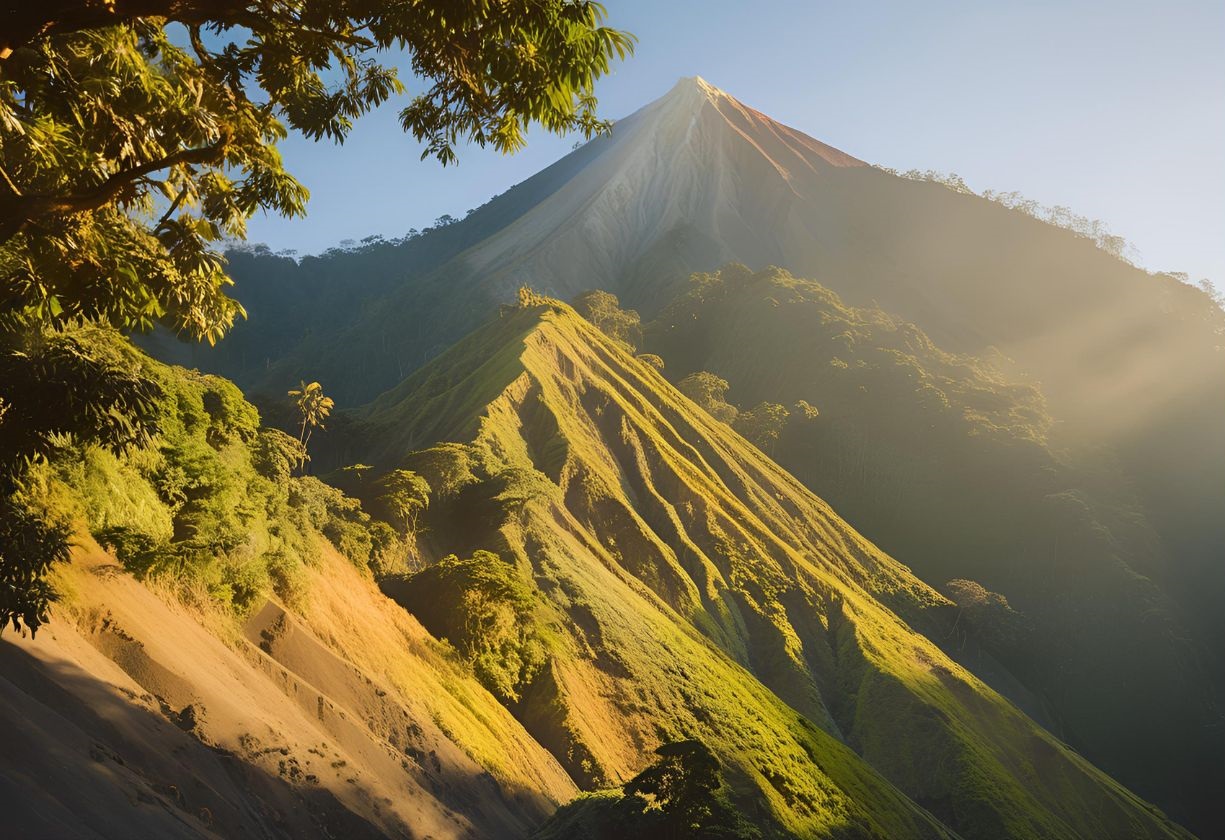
208	505
60	388
486	609
677	796
951	463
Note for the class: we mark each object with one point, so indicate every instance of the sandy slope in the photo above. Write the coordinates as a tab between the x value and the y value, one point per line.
128	717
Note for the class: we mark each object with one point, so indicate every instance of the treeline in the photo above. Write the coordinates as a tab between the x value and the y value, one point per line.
1095	230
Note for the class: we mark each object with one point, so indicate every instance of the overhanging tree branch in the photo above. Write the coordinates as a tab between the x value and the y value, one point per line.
18	210
23	21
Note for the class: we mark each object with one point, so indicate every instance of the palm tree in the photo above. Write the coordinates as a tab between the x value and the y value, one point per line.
315	408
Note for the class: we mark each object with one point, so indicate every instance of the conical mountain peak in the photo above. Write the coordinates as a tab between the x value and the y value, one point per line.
688	182
696	89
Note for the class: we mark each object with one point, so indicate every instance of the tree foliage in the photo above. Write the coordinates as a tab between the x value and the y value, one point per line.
313	406
56	390
763	424
126	155
1094	230
29	544
678	797
604	311
710	392
405	494
59	387
137	135
989	616
484	607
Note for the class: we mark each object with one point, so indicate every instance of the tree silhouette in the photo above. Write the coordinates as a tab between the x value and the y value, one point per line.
407	495
314	408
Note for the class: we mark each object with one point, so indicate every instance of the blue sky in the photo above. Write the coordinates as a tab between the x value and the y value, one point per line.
1114	109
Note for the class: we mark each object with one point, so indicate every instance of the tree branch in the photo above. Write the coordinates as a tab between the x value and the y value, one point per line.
24	21
174	205
17	210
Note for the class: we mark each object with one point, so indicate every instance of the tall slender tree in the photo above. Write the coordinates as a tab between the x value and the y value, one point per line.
314	408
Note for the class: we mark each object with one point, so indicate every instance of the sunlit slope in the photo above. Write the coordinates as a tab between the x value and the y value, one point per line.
689	587
695	179
128	717
220	669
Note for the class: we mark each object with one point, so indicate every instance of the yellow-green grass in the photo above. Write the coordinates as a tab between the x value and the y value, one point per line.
692	588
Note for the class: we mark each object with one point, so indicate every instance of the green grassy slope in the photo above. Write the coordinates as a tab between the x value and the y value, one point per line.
686	586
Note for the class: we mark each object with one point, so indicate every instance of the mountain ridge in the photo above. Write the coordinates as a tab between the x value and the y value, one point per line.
636	486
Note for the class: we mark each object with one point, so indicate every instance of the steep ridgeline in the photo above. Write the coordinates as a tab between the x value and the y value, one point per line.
947	462
669	582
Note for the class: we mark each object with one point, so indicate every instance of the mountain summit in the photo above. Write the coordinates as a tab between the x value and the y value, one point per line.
694	173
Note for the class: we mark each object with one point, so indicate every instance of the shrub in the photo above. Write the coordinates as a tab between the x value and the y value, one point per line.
485	608
709	392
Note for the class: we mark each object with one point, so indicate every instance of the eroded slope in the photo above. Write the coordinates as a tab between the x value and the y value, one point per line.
129	715
680	574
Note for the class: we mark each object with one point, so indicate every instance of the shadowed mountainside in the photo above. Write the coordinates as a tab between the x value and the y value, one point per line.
953	466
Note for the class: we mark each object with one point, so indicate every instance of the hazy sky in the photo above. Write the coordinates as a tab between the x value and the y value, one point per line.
1114	109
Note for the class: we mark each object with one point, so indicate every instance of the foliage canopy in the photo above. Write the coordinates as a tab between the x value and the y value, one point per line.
603	309
679	796
137	135
127	155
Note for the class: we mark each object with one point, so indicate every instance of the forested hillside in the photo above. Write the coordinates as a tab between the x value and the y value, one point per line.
221	662
952	463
